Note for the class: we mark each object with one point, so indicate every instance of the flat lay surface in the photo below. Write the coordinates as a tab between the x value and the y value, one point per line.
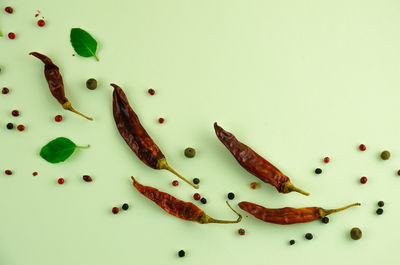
297	81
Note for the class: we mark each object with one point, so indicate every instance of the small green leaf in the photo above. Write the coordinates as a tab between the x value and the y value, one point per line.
83	43
58	150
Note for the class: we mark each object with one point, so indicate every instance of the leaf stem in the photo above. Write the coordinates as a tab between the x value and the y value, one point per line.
83	146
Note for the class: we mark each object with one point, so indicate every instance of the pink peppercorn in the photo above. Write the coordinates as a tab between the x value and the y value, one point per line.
363	180
175	183
196	196
87	178
115	210
5	90
161	120
15	113
58	118
241	232
60	181
8	172
9	9
11	35
20	128
151	91
34	173
41	23
398	172
326	159
362	147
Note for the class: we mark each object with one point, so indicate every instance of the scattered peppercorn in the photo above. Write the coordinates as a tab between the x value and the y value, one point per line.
398	172
196	196
355	233
326	159
292	242
20	128
363	180
125	206
325	220
151	91
190	152
203	200
196	181
175	183
9	9
10	126
91	84
60	181
11	35
87	178
8	172
5	90
181	253
318	171
241	232
115	210
385	155
34	173
58	118
41	23
381	203
379	211
15	113
161	120
362	147
254	185
309	236
231	195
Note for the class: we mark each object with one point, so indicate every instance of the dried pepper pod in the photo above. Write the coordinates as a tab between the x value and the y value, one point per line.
288	215
183	210
254	163
55	81
135	135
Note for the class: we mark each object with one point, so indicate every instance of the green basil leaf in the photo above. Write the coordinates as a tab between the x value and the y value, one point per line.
58	150
83	43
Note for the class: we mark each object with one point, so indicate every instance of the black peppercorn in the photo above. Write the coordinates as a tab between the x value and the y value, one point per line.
181	253
125	206
309	236
325	220
196	181
318	171
231	195
203	200
10	126
292	242
379	211
381	203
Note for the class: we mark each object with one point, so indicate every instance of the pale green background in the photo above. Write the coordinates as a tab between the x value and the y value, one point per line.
296	80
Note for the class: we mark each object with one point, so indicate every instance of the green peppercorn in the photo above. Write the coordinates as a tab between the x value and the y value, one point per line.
385	155
91	84
190	152
355	233
196	181
325	220
381	203
309	236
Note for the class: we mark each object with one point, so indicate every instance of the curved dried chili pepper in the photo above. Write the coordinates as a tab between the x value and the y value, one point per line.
288	215
55	81
135	135
183	210
255	164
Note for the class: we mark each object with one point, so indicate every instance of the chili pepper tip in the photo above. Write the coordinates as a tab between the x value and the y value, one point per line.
207	219
162	164
322	212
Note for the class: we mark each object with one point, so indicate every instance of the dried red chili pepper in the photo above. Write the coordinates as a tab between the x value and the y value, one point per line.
135	135
255	164
55	81
183	210
288	215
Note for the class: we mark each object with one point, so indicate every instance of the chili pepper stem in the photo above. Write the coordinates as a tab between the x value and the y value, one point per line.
94	55
322	212
207	219
83	146
288	187
67	106
162	164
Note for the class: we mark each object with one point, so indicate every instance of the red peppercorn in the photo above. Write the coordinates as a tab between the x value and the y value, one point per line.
196	196
363	147
11	35
60	181
41	23
363	180
87	178
5	90
151	91
115	210
161	120
8	172
326	159
175	183
241	232
34	173
58	118
20	128
15	113
9	9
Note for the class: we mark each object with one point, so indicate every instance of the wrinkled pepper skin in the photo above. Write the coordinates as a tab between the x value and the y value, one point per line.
282	216
132	131
254	163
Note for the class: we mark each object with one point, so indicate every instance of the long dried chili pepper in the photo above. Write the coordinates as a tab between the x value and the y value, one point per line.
288	215
135	135
55	81
183	210
255	164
